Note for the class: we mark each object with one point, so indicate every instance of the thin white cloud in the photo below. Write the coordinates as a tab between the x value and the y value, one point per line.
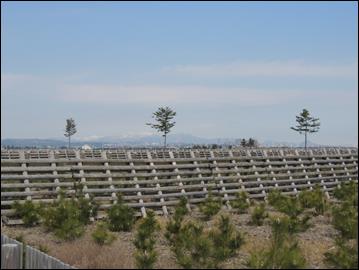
267	69
117	94
57	89
16	80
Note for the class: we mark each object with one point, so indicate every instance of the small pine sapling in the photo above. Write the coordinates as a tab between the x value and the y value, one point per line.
29	212
210	206
226	240
101	235
174	224
241	202
283	252
144	242
121	217
258	215
345	255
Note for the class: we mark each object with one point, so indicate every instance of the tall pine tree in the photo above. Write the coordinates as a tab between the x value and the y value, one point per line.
163	117
306	124
70	129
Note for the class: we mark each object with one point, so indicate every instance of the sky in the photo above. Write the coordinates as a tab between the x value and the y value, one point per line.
229	69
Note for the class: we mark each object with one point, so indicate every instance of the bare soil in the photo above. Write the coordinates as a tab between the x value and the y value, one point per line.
85	253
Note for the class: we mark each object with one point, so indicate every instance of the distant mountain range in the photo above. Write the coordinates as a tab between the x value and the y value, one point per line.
137	141
145	140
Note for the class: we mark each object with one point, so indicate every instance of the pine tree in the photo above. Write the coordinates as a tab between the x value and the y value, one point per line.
252	142
163	117
70	129
145	240
243	143
306	124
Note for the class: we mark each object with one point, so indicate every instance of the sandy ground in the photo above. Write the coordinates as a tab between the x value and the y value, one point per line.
85	253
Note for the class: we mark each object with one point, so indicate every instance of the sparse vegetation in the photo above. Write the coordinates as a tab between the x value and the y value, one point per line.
199	243
226	240
283	252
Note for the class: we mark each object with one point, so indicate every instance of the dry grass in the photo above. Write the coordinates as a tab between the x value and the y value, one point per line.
85	253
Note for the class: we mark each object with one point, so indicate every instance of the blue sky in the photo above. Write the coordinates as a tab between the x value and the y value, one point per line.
229	69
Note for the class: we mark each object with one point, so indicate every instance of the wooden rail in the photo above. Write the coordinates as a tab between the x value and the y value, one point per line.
156	179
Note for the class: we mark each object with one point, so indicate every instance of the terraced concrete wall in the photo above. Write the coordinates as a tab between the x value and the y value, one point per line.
156	179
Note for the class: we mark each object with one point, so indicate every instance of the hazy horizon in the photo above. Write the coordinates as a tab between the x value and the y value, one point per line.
229	69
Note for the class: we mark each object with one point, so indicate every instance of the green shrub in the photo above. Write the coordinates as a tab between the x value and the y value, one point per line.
314	199
28	212
345	219
283	253
196	248
345	213
258	215
299	224
174	224
344	257
63	217
88	208
241	203
67	217
285	204
101	235
276	198
181	209
193	248
226	240
292	225
291	207
145	241
210	206
121	217
347	192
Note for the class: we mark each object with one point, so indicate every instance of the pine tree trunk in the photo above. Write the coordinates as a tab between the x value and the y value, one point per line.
165	140
69	142
305	141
